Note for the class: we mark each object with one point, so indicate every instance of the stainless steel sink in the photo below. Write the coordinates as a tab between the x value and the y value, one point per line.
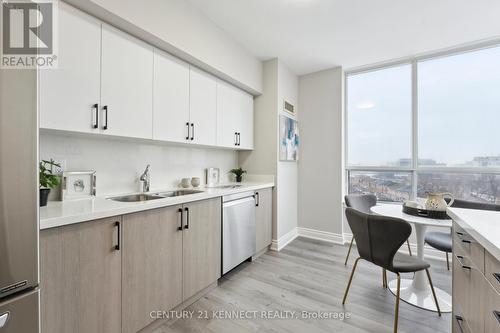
137	197
177	193
147	197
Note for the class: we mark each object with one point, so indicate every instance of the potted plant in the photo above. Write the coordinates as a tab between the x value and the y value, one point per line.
48	179
238	173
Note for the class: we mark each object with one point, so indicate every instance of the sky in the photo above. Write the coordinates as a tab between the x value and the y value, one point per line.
458	110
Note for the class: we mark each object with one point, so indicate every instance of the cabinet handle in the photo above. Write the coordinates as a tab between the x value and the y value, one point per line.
187	218
118	226
95	108
235	138
461	263
459	320
257	199
105	108
187	137
497	315
192	132
182	214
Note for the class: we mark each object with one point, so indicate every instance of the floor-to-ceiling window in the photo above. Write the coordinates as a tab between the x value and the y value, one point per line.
428	125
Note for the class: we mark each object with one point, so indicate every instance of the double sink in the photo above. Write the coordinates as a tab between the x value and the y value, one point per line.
148	197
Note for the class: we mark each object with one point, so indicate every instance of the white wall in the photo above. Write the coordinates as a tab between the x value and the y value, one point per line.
180	28
287	172
320	165
119	162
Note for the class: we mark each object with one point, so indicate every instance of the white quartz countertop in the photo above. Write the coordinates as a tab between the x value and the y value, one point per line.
58	213
482	225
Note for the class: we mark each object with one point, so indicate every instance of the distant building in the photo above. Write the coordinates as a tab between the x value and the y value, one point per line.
486	161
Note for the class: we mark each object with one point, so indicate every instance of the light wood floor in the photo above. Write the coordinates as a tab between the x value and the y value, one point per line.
310	276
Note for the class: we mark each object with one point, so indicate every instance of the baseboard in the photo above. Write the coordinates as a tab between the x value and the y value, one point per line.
429	252
278	245
325	236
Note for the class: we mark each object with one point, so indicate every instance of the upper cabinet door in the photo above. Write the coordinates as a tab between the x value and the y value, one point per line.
126	85
234	117
170	98
228	114
203	108
69	93
246	121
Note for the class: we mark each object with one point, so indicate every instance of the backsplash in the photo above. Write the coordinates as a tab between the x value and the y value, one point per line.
120	162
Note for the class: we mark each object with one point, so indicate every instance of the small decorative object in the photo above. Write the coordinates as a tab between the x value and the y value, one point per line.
185	182
78	185
289	139
435	201
238	173
212	176
48	180
195	181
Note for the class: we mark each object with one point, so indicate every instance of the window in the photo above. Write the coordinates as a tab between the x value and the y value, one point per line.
442	136
378	101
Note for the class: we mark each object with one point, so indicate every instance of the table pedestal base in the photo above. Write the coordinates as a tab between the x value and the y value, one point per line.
422	298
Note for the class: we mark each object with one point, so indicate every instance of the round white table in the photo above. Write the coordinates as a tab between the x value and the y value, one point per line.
417	291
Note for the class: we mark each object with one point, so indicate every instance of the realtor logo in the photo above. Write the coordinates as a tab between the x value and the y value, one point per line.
28	34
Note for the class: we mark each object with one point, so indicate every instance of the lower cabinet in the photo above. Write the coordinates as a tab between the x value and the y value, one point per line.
201	245
151	265
80	271
476	300
108	275
263	218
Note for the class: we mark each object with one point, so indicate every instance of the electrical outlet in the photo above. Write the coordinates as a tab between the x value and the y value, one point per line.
60	169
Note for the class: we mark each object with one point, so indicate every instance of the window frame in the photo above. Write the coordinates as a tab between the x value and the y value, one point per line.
414	168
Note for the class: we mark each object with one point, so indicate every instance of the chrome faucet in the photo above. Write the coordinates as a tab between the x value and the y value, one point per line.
145	180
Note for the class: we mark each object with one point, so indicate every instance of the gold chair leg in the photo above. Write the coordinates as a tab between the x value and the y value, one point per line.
409	248
396	310
447	261
384	278
433	292
350	280
348	252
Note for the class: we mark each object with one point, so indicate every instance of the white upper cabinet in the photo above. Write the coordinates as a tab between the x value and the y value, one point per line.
234	117
245	137
126	85
170	99
203	108
68	95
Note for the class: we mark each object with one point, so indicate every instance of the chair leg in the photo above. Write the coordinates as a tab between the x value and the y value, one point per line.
396	310
350	280
447	261
384	278
348	252
433	292
409	248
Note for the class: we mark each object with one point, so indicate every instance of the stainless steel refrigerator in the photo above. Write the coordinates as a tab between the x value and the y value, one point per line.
19	273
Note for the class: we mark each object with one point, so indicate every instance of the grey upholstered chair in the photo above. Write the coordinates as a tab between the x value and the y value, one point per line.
363	203
442	241
378	239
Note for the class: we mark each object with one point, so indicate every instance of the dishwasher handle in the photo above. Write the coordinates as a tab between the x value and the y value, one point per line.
238	201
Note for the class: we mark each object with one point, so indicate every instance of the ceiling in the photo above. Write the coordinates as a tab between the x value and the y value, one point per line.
311	35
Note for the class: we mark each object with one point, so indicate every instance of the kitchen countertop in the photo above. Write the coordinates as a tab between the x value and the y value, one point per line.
482	225
58	213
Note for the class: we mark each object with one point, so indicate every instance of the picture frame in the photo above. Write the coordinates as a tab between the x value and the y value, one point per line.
78	185
289	139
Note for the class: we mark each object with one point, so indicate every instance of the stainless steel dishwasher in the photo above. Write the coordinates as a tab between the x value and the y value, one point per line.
238	229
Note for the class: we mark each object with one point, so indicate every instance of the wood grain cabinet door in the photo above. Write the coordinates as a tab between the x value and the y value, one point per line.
81	278
201	245
263	218
152	265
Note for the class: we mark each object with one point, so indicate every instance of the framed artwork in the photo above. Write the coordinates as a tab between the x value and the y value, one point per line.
78	185
289	139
